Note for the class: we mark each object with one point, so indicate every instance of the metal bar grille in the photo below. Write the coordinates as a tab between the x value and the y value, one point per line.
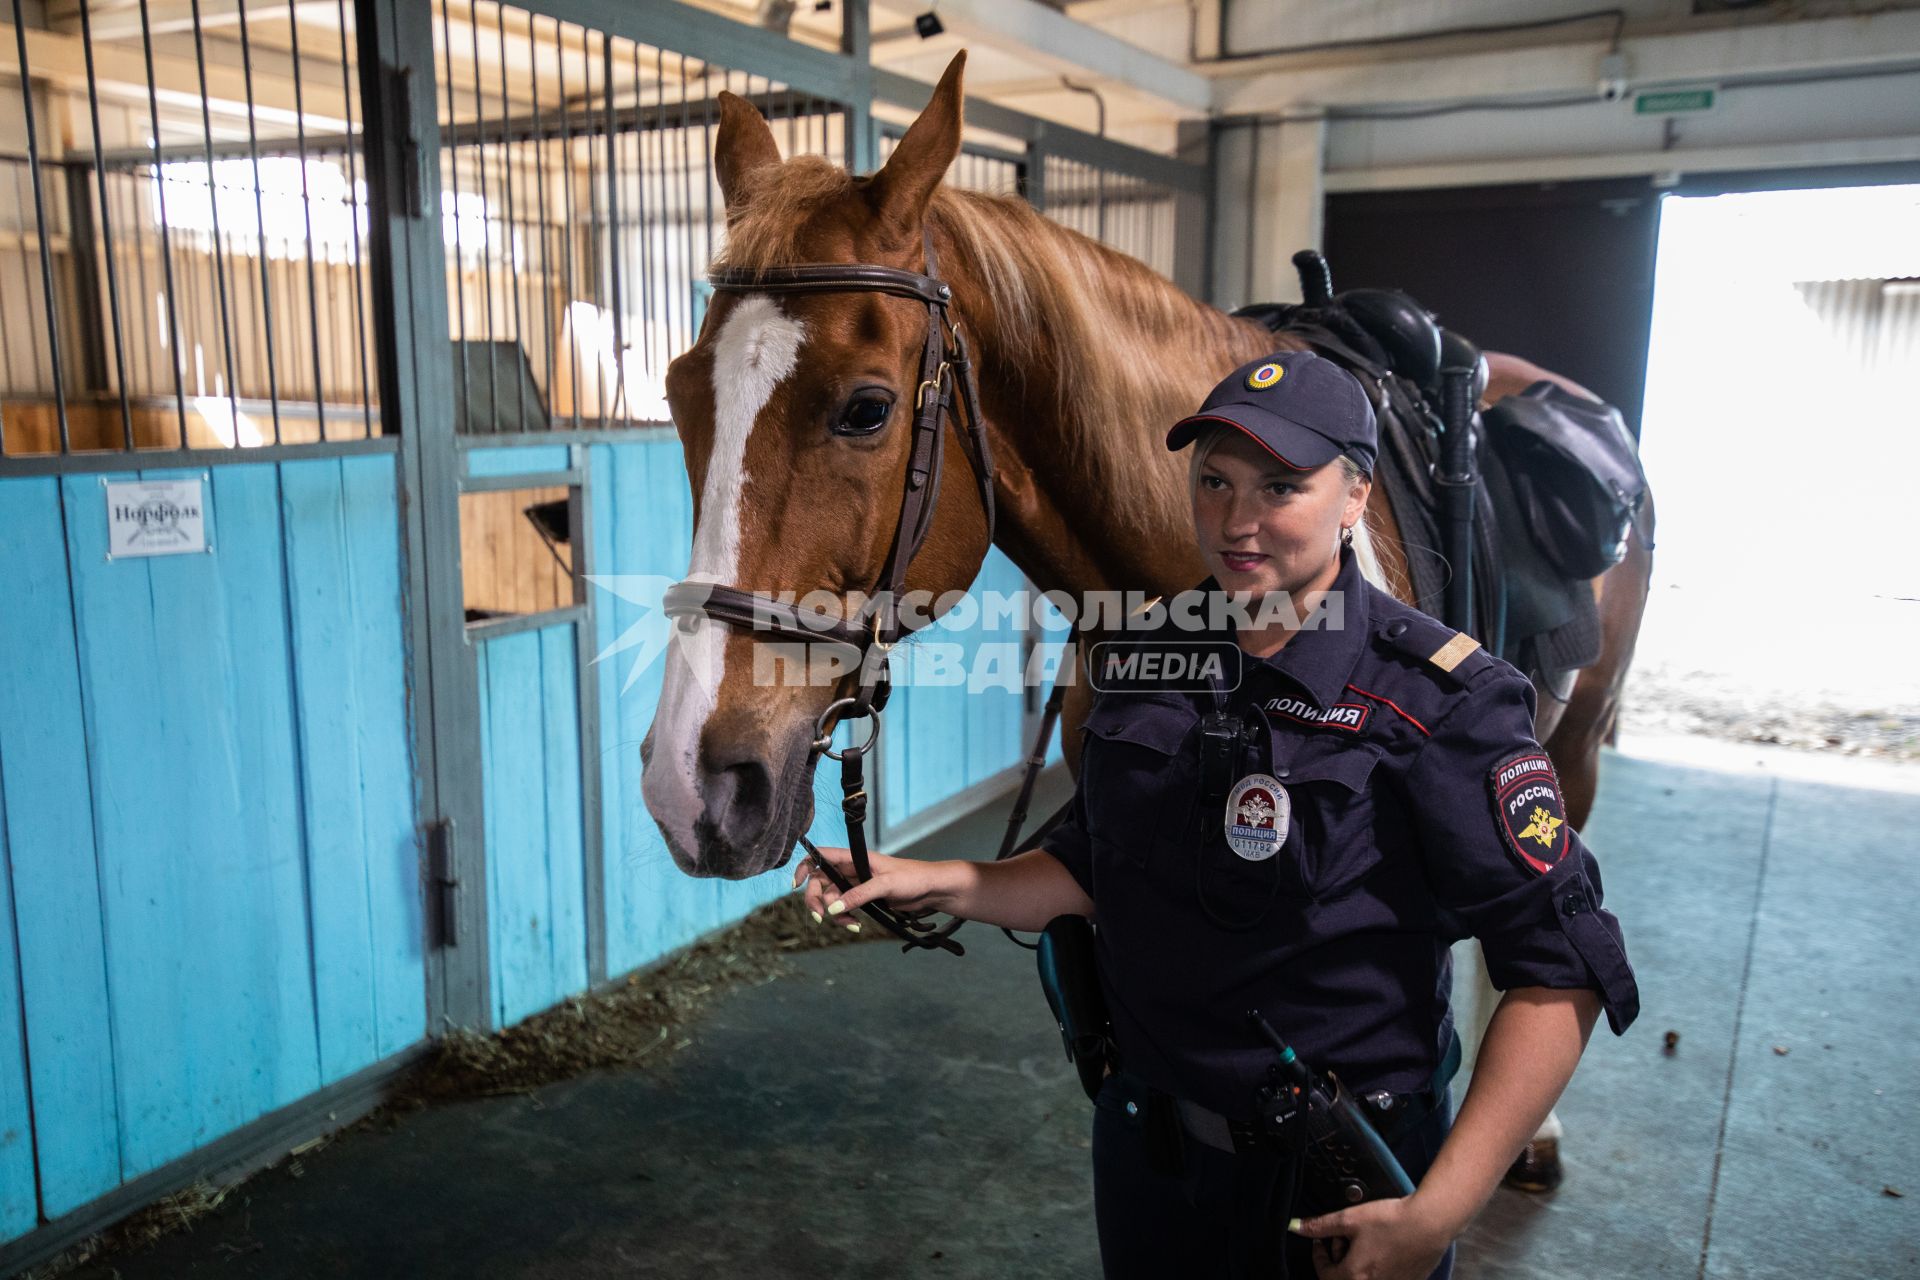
183	231
581	212
977	168
1131	214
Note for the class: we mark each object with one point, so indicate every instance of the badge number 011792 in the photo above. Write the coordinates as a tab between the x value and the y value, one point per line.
1259	812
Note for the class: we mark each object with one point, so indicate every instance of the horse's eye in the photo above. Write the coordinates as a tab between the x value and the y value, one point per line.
863	417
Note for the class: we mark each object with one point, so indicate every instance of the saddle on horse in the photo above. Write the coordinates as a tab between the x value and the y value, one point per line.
1561	469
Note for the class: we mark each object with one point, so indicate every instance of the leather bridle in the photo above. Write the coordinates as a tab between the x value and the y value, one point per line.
946	377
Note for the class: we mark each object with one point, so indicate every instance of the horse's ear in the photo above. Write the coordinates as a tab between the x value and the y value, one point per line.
902	189
742	145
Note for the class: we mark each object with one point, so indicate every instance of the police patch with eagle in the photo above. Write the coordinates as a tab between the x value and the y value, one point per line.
1531	812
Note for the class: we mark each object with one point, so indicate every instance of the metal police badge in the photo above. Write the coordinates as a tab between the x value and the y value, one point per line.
1259	812
1533	817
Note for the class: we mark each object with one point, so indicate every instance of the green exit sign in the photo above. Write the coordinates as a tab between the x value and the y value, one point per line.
1667	102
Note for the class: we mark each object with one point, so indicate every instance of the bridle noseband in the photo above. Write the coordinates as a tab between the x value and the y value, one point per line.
946	375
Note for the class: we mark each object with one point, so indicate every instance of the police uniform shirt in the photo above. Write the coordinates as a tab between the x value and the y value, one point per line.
1422	811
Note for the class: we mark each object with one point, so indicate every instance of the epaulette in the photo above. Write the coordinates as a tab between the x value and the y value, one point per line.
1454	654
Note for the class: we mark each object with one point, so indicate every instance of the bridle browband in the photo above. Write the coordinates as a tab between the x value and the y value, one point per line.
946	376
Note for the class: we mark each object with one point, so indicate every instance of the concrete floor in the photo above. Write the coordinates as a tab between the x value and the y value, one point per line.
877	1115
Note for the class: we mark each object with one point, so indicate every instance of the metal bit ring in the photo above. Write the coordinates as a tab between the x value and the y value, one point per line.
824	726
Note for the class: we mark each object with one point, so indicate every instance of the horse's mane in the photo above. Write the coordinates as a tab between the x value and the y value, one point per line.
1127	352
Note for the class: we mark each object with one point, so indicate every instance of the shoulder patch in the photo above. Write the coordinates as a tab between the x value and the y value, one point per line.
1529	807
1449	655
1435	647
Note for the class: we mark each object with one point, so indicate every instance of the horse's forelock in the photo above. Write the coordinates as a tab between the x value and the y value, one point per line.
767	228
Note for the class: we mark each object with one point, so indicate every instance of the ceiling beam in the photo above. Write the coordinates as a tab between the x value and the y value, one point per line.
121	73
1884	39
1037	33
164	17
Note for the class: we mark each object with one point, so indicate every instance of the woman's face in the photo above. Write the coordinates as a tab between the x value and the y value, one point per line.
1263	527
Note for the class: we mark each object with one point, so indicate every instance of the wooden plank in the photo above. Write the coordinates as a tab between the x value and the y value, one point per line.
49	809
209	959
535	880
638	533
19	1187
537	460
377	643
328	709
349	672
566	873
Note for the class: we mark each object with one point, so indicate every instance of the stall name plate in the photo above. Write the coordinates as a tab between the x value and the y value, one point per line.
155	517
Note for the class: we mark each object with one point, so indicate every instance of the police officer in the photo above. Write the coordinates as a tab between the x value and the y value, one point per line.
1383	797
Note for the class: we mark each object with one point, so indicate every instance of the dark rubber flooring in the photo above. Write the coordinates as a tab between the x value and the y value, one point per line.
881	1115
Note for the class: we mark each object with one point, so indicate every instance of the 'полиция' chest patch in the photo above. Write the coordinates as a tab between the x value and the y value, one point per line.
1351	716
1530	809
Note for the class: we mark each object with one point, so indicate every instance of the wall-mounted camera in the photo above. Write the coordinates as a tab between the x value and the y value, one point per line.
1613	77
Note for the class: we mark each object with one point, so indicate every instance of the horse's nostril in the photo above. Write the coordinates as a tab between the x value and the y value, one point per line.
740	794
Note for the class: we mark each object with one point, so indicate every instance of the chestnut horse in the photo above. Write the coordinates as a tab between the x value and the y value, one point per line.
1084	355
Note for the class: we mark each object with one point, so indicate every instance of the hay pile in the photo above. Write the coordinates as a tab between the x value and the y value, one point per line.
628	1025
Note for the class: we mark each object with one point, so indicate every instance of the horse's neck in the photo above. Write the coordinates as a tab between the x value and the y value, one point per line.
1080	514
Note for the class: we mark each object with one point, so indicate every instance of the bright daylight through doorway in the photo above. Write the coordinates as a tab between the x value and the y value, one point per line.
1782	438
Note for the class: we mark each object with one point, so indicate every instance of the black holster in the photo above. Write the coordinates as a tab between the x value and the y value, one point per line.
1070	976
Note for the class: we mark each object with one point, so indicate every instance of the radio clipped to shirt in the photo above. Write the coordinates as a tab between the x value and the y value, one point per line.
1345	1160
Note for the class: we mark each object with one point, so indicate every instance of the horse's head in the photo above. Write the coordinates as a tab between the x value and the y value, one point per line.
795	413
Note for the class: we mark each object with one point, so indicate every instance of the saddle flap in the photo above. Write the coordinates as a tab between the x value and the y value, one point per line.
1576	472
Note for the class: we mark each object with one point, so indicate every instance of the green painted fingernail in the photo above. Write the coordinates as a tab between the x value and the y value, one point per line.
817	917
1293	1224
854	927
835	908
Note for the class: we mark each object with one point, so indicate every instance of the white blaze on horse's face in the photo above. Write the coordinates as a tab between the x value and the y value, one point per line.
755	350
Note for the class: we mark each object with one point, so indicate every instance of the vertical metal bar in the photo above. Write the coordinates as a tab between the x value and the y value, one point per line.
213	205
706	164
135	212
569	236
459	223
83	270
581	537
145	297
354	206
613	225
26	276
260	219
646	260
406	268
40	222
593	211
486	228
543	212
861	142
190	306
306	211
513	262
6	348
687	264
106	229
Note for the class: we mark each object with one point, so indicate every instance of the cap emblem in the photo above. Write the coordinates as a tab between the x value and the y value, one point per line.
1265	376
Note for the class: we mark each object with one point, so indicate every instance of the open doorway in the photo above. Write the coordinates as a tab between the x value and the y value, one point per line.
1782	438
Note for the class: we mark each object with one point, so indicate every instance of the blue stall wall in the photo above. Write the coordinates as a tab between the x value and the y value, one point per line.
536	847
212	887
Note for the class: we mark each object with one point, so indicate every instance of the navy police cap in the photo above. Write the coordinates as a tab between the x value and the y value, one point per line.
1306	411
